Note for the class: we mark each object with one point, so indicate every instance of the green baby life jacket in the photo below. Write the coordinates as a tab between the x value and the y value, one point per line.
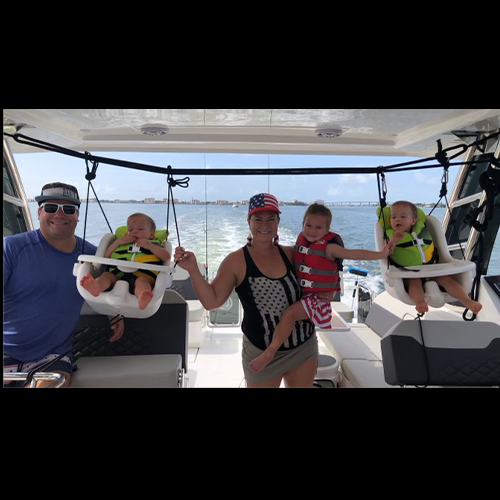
415	248
131	253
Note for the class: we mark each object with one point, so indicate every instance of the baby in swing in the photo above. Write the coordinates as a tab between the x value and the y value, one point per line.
403	222
136	244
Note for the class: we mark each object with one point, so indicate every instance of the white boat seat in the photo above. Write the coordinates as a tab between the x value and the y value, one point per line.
196	310
456	353
153	371
119	300
461	270
182	285
198	315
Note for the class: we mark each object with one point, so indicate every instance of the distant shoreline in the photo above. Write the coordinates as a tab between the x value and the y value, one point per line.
237	204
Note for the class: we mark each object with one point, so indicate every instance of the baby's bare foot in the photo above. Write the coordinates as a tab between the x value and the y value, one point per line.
90	284
422	307
474	306
145	298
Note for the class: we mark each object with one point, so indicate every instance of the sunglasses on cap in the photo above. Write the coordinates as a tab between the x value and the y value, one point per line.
52	208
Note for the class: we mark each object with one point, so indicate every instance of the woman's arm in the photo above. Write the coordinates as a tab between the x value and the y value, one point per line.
212	295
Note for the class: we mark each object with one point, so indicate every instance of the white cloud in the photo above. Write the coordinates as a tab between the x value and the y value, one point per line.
356	178
425	178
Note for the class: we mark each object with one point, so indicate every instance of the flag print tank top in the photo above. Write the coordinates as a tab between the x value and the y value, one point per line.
264	300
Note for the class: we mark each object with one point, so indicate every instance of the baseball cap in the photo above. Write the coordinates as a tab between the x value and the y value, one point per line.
261	202
59	191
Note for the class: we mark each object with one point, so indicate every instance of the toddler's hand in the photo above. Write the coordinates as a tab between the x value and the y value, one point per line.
125	239
397	236
144	244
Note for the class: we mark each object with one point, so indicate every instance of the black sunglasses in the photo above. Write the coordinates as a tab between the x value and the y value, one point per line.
52	208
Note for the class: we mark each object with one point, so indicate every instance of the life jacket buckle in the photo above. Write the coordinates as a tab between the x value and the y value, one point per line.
303	249
306	284
305	269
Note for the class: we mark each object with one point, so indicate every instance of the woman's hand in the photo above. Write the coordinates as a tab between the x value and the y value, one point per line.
185	259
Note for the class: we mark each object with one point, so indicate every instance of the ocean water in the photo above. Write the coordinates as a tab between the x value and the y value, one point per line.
214	231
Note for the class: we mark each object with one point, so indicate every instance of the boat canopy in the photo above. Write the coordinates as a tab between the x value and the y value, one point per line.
374	132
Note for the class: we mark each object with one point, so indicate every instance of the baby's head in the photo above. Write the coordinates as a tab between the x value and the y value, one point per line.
141	226
404	215
317	222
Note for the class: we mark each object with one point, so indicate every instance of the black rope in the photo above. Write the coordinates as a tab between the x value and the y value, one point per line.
490	183
442	158
90	176
382	187
183	183
477	278
427	370
400	167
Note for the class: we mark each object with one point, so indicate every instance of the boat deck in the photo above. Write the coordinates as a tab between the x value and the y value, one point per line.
217	364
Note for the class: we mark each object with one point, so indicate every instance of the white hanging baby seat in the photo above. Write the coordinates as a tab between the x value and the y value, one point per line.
461	270
119	300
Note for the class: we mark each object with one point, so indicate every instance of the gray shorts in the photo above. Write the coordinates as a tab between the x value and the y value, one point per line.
282	363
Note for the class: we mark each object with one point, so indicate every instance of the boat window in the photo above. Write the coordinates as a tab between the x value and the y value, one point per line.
491	242
494	265
13	220
489	246
458	230
16	217
8	184
468	198
471	185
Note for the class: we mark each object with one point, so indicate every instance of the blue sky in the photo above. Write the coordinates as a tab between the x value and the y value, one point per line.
112	182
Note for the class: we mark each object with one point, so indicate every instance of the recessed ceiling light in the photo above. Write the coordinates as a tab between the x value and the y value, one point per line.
154	130
329	133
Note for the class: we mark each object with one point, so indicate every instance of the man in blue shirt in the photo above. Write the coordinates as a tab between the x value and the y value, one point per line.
41	301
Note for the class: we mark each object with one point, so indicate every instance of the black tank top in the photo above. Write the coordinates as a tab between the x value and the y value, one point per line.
264	300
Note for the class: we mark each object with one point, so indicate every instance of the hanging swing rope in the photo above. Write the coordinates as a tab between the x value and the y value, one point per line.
90	176
183	183
382	187
442	158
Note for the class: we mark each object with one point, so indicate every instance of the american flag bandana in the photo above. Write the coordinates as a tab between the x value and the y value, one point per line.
263	201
